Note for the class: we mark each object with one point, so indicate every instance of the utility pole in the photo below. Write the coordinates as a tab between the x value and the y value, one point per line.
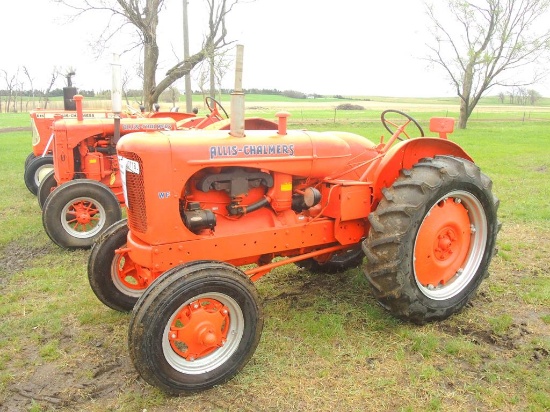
188	92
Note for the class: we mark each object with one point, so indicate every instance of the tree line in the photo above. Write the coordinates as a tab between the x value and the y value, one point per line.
21	100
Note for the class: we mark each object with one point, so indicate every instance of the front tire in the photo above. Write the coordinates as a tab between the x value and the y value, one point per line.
432	238
31	156
76	213
36	167
45	187
113	277
339	262
195	327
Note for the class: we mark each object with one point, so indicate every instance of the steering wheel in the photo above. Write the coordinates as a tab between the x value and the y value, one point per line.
386	122
214	108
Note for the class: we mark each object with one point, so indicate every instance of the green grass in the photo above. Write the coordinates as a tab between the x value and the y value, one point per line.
327	345
14	120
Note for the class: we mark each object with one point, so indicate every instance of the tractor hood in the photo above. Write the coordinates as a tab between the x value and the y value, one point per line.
301	153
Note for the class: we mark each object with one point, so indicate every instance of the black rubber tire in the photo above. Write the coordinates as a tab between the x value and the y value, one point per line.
395	224
30	156
101	266
150	350
46	186
56	219
347	259
33	169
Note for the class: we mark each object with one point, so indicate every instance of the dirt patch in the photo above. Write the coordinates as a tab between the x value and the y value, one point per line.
98	373
15	129
18	256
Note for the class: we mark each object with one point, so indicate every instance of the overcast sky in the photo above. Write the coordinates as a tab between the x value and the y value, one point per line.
347	47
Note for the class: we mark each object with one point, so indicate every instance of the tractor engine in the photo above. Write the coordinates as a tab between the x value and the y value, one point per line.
227	195
97	161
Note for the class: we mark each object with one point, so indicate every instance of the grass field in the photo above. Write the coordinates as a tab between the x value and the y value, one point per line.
326	345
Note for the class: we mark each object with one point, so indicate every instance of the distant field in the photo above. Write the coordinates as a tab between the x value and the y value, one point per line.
375	102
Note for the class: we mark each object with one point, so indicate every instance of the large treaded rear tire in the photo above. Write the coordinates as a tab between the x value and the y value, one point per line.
408	252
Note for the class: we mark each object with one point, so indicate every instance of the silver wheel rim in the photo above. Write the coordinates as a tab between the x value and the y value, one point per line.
119	284
42	170
83	231
218	357
478	244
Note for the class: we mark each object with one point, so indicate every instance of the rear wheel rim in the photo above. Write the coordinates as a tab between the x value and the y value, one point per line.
450	245
197	340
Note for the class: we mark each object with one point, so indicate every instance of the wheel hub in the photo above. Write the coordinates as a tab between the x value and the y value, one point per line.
199	329
445	244
442	243
129	275
84	218
83	214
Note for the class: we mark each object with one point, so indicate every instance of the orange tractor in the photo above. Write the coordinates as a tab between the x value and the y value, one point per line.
210	212
40	161
82	196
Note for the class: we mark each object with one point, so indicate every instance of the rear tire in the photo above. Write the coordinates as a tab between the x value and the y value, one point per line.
76	213
195	327
432	238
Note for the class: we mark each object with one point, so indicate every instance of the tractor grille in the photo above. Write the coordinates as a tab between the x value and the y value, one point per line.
137	212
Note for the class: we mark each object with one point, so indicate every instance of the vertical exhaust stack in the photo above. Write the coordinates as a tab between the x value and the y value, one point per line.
237	97
116	95
78	105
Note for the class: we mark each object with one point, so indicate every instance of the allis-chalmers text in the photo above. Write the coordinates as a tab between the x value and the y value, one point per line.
252	150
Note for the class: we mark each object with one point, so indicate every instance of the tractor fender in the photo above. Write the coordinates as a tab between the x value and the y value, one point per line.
405	155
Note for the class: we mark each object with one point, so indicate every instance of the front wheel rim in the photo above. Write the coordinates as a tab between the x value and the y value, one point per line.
125	275
83	217
205	339
450	245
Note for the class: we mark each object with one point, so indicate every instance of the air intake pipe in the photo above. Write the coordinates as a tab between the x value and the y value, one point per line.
237	97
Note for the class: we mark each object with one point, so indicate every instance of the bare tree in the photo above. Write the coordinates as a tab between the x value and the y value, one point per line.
11	82
211	72
534	96
171	95
126	77
143	15
201	78
53	79
30	79
486	40
222	65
